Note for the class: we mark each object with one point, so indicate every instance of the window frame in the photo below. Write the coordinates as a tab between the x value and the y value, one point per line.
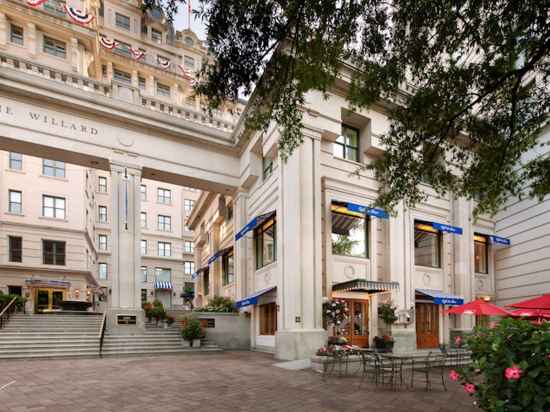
164	246
267	167
54	254
119	22
431	232
338	209
57	167
188	205
162	198
102	188
164	223
159	271
15	203
16	38
259	233
54	47
345	145
486	247
14	254
191	249
102	245
228	277
189	62
54	208
143	250
165	90
100	209
188	264
101	276
144	274
143	220
155	32
143	193
14	160
121	76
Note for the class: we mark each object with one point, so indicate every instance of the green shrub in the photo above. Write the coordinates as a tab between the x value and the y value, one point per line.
5	299
192	329
219	304
386	312
510	368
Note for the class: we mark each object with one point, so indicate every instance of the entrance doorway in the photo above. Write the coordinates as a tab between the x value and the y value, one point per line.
427	325
48	299
356	328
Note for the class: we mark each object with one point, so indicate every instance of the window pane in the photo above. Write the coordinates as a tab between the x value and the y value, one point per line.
338	150
481	265
426	248
349	235
351	154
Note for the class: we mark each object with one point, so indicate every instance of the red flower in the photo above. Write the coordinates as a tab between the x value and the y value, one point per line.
470	388
458	341
454	376
513	373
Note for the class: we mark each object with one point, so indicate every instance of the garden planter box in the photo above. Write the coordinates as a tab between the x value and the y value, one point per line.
196	343
323	364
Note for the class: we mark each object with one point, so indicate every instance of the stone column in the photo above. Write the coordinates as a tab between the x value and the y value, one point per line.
215	267
464	258
110	72
240	248
30	39
400	267
126	236
135	79
4	30
299	289
73	53
150	85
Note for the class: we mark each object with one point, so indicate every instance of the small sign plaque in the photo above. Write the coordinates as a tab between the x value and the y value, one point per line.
126	319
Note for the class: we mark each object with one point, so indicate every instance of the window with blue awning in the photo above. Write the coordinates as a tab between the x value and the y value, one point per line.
441	298
363	210
253	298
255	222
219	254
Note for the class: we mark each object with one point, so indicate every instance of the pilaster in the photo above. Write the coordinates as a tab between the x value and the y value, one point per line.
30	39
4	30
240	248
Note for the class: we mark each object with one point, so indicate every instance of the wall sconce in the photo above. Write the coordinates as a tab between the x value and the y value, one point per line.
110	291
174	294
88	292
152	293
77	293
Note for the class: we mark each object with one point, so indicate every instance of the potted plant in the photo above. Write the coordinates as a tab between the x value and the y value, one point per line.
192	332
169	320
383	343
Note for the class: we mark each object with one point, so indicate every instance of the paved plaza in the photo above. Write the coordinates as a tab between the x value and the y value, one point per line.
230	381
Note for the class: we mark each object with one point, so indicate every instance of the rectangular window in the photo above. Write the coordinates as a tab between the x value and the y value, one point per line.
267	167
141	82
53	207
163	274
163	90
53	168
16	161
164	249
164	196
188	205
102	184
143	219
143	247
122	77
188	246
16	202
189	62
268	319
102	214
123	49
265	237
143	191
53	252
156	36
481	253
16	248
350	234
102	241
16	35
228	268
427	245
188	268
206	282
144	274
54	47
143	296
346	146
102	269
122	21
164	223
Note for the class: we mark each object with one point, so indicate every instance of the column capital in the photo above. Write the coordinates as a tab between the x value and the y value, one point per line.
117	166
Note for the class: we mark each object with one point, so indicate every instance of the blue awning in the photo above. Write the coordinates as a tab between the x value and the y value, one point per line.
218	254
440	298
258	220
497	240
446	228
253	299
161	284
198	272
371	211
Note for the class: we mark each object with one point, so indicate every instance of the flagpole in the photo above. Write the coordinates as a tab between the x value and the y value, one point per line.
189	15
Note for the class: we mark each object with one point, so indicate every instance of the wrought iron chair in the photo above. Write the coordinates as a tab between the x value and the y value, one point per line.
433	363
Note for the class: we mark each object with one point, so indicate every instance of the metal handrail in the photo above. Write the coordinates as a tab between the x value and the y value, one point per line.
6	312
102	333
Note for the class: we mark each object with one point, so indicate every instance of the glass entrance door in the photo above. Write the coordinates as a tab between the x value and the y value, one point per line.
427	326
48	300
356	327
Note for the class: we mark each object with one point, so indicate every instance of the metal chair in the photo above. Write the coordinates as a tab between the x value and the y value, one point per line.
370	367
426	367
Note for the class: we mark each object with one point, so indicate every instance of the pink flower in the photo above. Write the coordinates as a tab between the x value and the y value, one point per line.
453	375
513	373
458	341
470	388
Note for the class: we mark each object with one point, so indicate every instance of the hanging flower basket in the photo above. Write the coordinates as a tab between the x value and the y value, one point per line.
335	312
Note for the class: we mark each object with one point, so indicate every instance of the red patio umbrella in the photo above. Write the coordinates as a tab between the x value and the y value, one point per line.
542	302
479	308
531	313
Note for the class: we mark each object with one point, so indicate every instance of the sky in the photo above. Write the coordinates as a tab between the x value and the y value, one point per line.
181	20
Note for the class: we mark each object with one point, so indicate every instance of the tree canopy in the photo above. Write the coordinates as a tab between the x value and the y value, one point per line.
477	73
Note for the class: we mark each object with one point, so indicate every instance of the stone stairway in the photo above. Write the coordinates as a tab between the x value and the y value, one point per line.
153	341
50	336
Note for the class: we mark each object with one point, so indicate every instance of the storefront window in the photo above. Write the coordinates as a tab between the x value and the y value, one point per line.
481	254
349	232
427	245
266	243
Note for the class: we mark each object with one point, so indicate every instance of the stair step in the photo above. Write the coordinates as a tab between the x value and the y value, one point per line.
38	347
49	350
159	352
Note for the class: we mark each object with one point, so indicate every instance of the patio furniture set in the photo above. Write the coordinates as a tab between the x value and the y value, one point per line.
398	371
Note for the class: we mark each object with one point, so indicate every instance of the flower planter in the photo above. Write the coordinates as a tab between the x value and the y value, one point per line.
196	343
185	343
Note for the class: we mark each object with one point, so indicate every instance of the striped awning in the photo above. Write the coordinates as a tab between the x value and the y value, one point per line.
365	286
161	284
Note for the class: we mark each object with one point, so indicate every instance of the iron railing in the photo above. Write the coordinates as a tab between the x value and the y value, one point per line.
102	334
7	311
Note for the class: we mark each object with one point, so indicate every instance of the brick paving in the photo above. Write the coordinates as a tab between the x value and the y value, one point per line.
229	381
